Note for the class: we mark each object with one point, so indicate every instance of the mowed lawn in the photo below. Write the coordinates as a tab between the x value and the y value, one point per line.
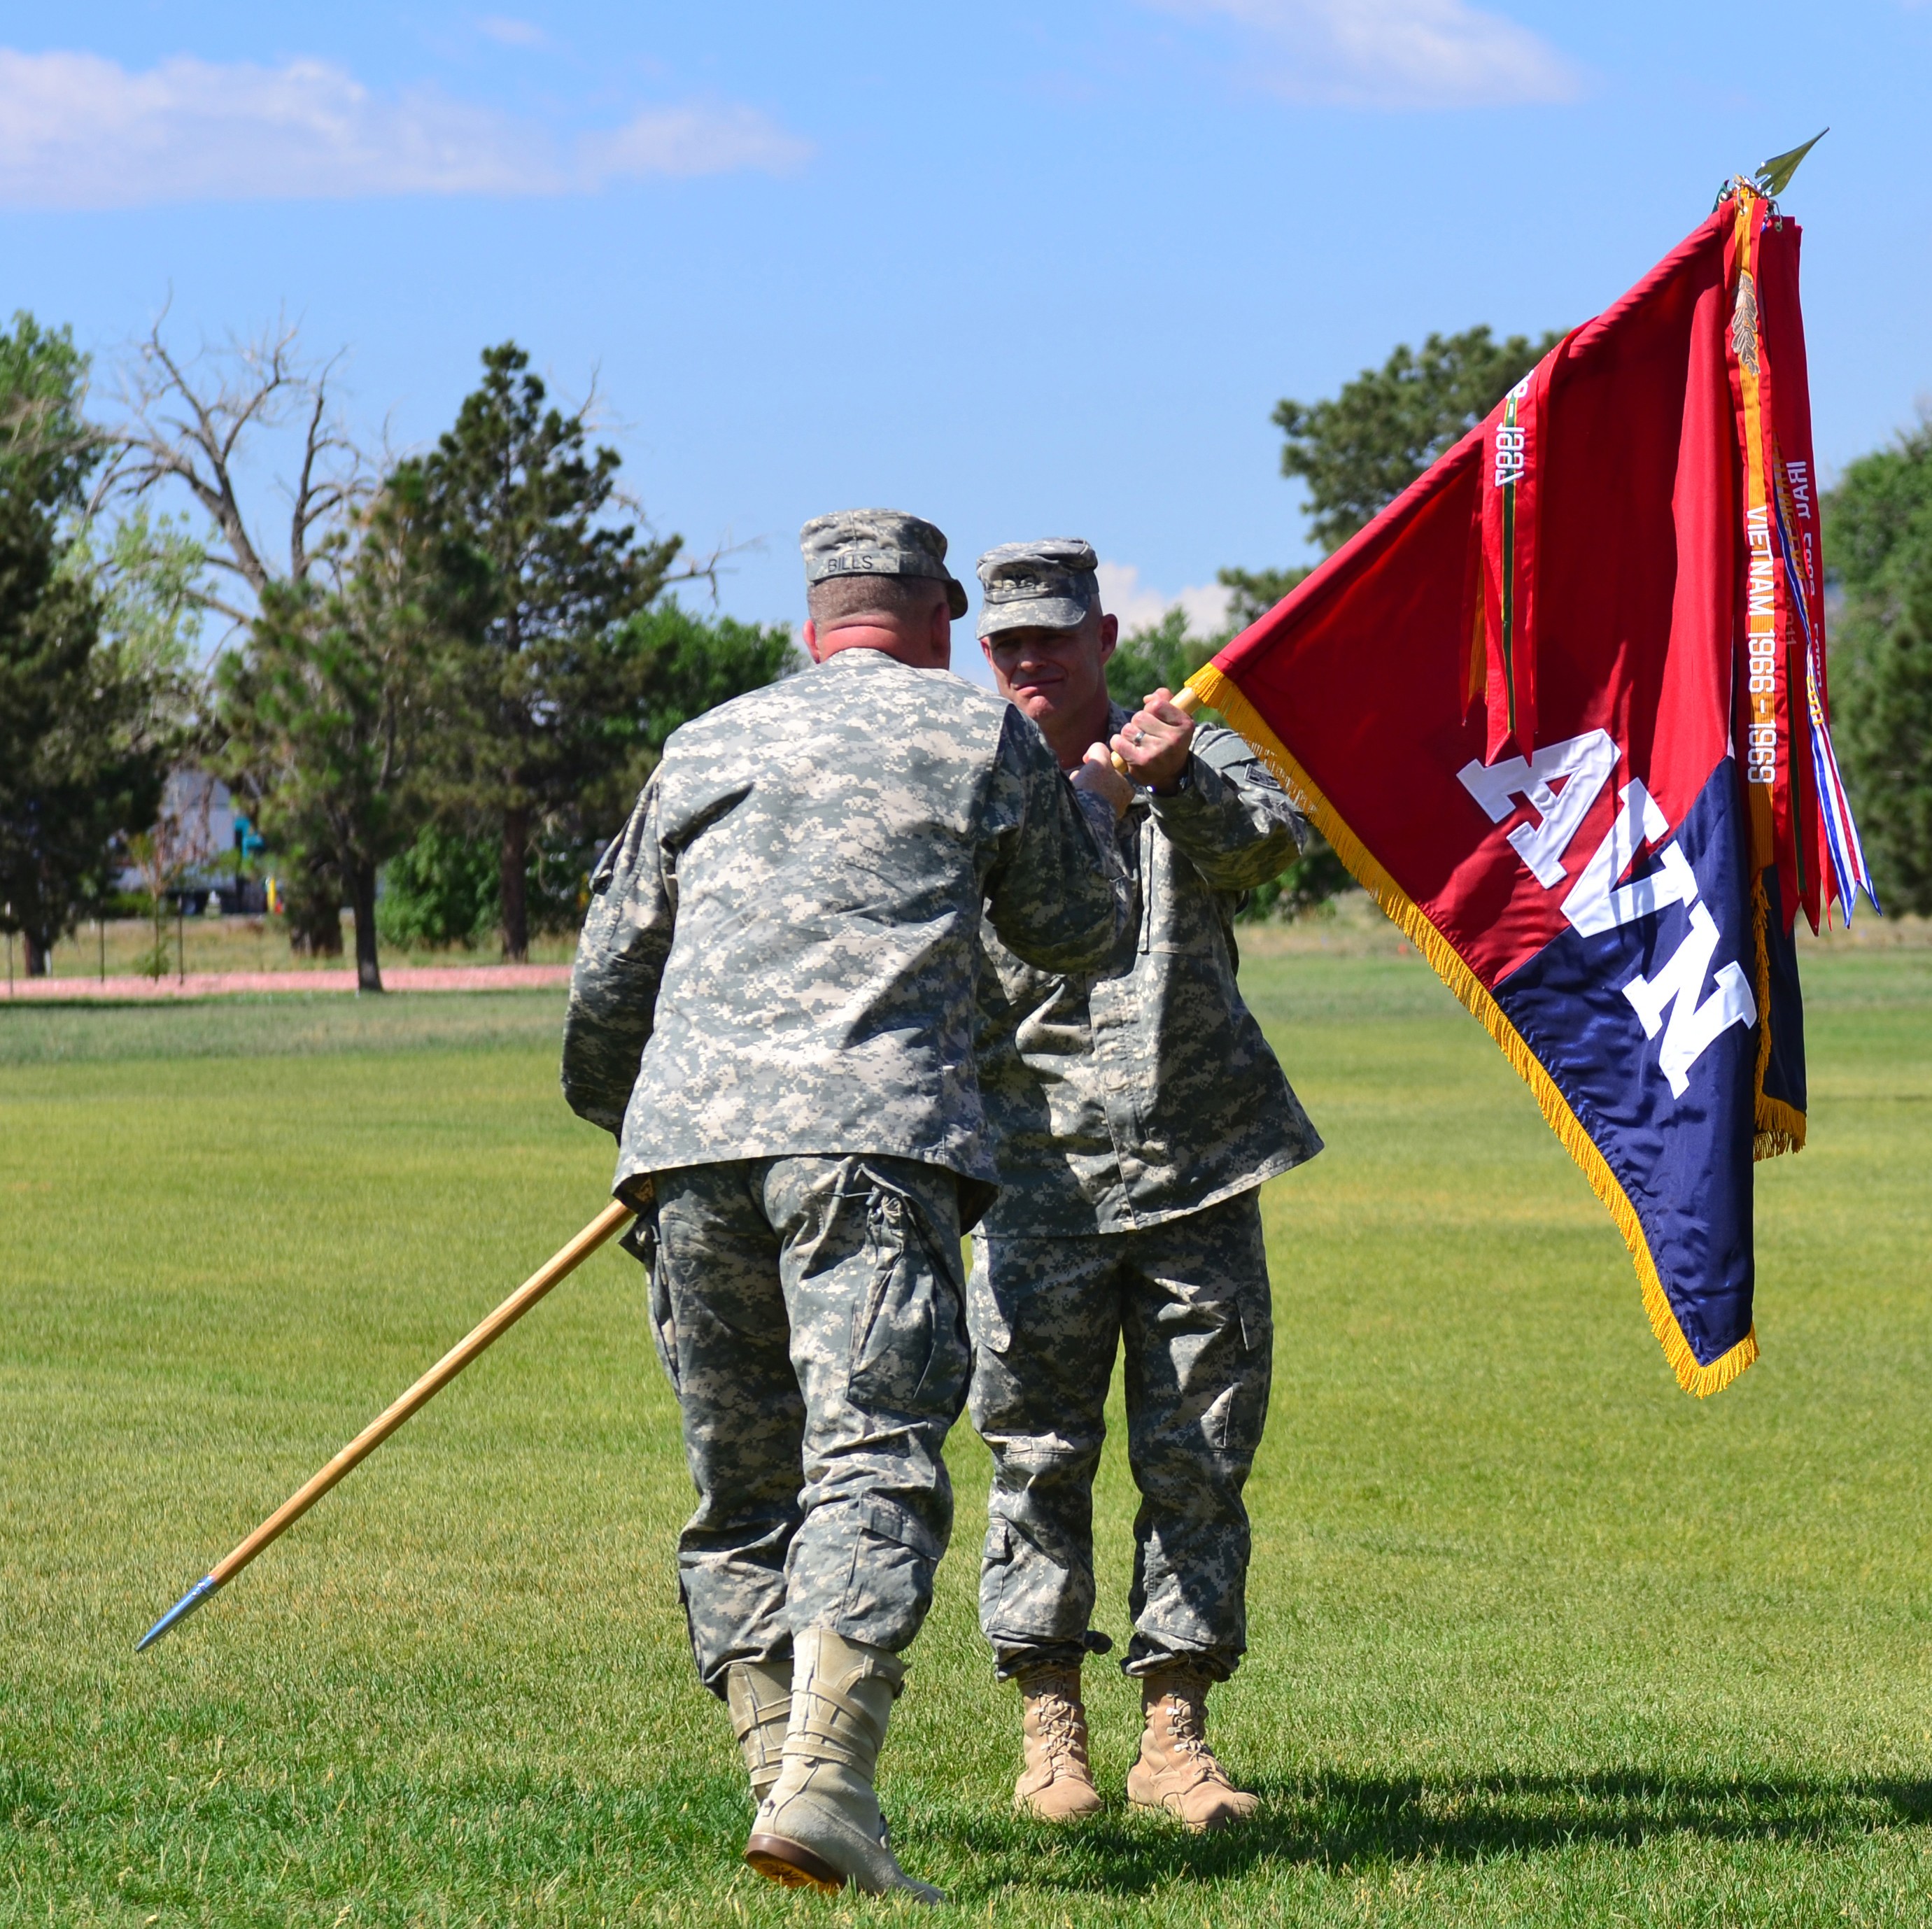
1536	1638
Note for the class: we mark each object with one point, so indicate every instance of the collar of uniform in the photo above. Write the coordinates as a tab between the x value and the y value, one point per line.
856	651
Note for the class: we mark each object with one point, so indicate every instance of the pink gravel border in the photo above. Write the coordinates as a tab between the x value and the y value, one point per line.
216	984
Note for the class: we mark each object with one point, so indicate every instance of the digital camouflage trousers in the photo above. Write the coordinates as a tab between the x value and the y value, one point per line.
810	1313
1188	1300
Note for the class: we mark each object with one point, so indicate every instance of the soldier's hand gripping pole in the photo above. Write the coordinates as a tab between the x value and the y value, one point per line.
1186	701
612	1219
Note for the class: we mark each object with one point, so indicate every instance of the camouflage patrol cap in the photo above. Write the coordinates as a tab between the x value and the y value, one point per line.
1045	585
877	542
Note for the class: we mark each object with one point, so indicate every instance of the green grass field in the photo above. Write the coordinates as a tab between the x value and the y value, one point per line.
1536	1638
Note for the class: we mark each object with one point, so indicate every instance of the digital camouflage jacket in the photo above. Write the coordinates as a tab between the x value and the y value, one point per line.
1129	1094
781	948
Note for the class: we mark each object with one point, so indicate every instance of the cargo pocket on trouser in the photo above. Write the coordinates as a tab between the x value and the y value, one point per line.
910	1353
986	1320
889	1587
1003	1616
1235	1421
643	1244
996	1557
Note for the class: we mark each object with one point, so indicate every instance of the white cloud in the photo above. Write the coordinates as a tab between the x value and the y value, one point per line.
1396	53
507	32
720	139
1140	606
80	131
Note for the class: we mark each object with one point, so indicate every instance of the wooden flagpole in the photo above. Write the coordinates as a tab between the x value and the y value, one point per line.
560	1266
611	1219
1184	699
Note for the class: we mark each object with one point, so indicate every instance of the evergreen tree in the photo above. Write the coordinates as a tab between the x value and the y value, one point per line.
82	760
684	664
552	675
80	766
445	889
47	450
1879	547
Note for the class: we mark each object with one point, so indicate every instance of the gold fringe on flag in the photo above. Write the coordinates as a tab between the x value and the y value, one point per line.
1221	694
1779	1127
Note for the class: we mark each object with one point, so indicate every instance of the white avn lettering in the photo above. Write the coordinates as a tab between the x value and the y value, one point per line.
1597	903
1693	1027
1582	764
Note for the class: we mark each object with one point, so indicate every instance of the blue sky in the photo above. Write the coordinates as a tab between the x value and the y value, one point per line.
1025	270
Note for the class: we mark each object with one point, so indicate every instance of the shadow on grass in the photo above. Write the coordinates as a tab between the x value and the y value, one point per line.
474	1843
1341	1822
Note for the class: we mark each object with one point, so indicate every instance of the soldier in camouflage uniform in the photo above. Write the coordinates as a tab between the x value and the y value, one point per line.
1137	1109
772	1007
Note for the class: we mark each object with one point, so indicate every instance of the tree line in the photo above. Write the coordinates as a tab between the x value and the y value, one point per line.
466	660
1356	451
455	669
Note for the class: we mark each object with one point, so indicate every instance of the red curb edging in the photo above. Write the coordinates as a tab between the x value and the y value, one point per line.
219	984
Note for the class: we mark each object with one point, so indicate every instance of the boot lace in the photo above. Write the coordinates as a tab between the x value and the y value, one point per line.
1187	1734
1059	1726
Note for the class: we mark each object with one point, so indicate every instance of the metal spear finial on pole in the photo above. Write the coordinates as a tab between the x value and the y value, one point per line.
1772	177
1775	176
560	1266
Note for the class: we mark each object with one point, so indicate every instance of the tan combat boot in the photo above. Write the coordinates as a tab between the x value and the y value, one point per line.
759	1695
820	1827
1177	1770
1056	1785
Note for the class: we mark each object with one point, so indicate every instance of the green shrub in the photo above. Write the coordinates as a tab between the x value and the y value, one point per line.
442	890
446	889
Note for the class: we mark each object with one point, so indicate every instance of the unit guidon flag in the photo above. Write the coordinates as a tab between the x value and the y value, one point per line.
1562	707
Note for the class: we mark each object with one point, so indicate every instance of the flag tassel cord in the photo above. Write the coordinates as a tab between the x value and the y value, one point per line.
1216	691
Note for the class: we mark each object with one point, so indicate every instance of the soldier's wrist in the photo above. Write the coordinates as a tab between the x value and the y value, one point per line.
1181	782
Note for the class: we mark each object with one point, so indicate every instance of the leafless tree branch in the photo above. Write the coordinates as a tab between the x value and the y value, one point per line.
190	424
